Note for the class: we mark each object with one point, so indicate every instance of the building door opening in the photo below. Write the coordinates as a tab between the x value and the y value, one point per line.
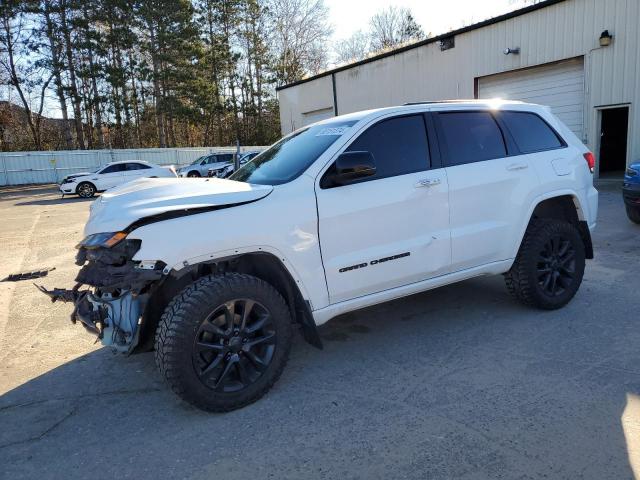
613	141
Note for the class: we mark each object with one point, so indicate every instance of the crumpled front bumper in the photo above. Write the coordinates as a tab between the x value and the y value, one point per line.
118	289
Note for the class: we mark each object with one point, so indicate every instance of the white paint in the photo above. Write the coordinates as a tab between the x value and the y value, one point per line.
119	207
470	222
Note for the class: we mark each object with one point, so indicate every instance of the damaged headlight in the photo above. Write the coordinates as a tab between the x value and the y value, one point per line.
106	240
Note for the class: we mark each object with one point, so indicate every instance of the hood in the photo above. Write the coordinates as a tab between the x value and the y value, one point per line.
79	174
118	208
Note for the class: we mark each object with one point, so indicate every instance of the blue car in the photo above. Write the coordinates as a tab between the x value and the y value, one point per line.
631	192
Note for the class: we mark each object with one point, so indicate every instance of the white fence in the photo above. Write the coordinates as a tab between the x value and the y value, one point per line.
20	168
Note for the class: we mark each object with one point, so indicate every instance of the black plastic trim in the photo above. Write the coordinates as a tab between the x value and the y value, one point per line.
183	213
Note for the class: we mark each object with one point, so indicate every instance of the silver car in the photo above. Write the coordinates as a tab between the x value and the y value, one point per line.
201	166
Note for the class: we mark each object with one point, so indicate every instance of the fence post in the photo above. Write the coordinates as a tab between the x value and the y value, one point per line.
53	163
4	168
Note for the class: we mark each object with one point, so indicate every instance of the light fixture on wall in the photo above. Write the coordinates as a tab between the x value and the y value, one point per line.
515	51
605	38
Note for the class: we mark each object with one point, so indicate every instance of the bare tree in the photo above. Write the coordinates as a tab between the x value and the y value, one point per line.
28	78
394	26
299	33
354	48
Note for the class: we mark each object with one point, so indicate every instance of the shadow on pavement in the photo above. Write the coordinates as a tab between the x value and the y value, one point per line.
57	201
459	382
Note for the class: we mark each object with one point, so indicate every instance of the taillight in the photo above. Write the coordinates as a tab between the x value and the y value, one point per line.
591	160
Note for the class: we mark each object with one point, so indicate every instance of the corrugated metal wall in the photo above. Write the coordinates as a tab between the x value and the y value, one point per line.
558	32
19	168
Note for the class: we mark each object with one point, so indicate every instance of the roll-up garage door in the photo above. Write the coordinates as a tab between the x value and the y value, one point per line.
558	85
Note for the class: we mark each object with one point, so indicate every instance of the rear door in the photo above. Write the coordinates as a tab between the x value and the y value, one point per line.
135	170
490	185
390	229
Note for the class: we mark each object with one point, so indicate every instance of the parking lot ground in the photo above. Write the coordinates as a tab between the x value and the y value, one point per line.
460	382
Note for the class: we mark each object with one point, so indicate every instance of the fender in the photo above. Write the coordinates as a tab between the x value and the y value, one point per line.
236	252
578	202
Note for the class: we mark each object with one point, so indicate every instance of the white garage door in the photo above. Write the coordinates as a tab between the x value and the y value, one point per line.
560	86
317	115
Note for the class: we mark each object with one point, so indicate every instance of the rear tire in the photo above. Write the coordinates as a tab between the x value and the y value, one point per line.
86	190
549	267
193	174
633	213
223	341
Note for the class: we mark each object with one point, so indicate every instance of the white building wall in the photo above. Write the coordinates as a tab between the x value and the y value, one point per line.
558	32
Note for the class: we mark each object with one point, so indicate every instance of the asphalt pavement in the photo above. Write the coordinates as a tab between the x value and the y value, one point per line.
461	382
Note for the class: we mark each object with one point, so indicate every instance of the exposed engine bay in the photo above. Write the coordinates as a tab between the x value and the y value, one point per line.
119	289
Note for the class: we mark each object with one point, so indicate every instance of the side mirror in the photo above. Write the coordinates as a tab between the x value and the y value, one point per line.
352	166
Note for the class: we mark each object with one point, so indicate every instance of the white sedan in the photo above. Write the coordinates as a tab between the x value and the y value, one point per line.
87	184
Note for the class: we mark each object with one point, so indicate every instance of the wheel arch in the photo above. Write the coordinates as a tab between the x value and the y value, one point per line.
260	264
562	205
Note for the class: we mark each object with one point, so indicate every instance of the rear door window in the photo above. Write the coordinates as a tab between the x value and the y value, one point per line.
530	132
470	137
136	166
119	167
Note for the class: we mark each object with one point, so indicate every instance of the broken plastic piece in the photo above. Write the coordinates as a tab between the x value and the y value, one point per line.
16	277
61	294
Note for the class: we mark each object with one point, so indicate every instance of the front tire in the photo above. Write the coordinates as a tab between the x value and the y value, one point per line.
224	341
633	213
549	267
86	190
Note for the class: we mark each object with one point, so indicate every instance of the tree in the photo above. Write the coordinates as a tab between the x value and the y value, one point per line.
394	26
135	73
299	34
55	64
354	48
19	45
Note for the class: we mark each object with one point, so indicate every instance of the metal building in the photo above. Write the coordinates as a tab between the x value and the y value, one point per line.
580	57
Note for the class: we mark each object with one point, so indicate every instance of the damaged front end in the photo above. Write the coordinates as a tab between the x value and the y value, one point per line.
119	289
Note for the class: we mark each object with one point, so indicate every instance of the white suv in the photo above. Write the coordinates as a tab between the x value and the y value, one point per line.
343	214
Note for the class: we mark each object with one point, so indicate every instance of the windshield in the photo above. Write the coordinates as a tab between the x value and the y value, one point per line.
288	158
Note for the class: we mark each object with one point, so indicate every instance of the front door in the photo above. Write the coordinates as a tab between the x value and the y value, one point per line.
390	229
110	176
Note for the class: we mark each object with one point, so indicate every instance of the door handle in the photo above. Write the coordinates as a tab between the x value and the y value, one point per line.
517	166
428	182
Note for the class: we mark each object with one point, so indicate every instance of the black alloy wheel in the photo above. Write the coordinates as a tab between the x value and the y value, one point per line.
234	345
549	267
556	266
224	341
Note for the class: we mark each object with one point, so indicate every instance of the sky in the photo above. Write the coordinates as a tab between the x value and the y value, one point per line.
434	16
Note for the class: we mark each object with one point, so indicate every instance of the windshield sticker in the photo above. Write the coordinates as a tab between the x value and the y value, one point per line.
336	131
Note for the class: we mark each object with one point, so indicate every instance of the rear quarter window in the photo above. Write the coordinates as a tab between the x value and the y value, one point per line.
530	132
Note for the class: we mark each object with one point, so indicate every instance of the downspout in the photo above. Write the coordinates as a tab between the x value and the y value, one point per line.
586	113
335	96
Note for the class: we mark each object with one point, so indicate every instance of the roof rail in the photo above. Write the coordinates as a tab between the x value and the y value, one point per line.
427	102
